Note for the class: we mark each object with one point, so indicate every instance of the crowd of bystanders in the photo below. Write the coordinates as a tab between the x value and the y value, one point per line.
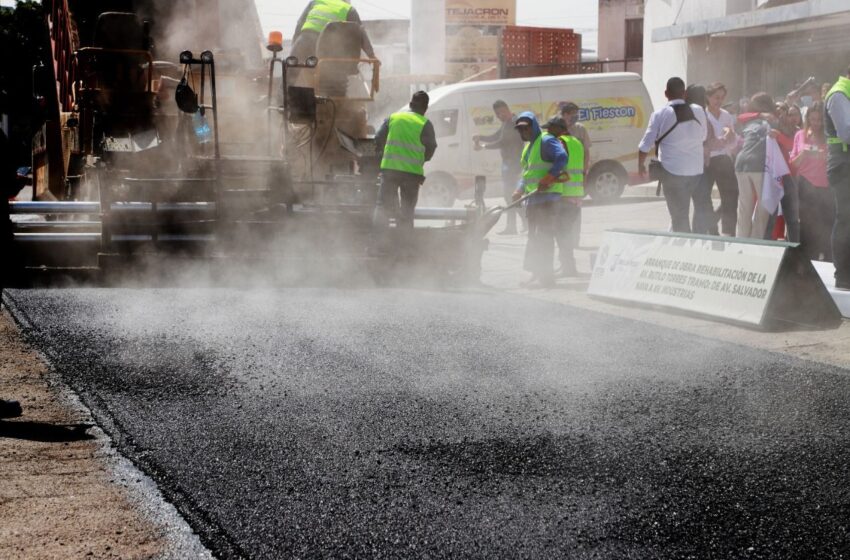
769	158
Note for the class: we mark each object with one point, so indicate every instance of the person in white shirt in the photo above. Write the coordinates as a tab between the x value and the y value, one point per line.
721	168
680	151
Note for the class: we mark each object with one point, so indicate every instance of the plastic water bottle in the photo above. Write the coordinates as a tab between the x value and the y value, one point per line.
202	128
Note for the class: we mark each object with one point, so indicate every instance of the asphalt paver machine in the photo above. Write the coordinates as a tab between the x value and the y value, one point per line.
150	164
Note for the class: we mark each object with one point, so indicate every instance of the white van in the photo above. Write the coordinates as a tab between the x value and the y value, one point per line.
615	109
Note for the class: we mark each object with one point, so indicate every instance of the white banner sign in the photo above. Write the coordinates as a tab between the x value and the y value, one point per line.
731	280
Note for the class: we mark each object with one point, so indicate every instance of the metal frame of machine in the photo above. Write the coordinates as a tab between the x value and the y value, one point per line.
238	210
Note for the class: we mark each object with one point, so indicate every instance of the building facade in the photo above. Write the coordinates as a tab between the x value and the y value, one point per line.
749	45
621	25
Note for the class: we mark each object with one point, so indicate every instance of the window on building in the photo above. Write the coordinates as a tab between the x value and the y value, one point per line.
634	38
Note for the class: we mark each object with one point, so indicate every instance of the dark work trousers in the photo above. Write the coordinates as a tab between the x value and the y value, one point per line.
542	230
398	194
790	211
720	170
817	214
510	180
678	190
569	231
704	220
838	171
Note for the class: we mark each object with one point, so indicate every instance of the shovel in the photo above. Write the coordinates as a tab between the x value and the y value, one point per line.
491	217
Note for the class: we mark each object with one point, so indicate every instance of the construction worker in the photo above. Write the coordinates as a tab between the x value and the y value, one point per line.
407	140
837	125
569	211
543	161
570	113
316	16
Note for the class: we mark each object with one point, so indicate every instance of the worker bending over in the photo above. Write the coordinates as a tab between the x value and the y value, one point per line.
543	161
316	17
407	140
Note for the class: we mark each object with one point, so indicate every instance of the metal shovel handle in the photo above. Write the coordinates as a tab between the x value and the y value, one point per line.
517	202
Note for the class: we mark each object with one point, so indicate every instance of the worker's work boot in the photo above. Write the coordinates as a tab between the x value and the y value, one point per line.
10	409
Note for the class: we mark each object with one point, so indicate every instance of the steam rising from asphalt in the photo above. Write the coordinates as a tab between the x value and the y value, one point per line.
329	248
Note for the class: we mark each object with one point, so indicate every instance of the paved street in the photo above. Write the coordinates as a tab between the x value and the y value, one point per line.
394	423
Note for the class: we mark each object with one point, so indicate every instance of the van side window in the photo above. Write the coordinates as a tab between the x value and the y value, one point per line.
445	122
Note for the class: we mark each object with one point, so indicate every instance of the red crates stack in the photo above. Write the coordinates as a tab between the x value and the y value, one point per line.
532	46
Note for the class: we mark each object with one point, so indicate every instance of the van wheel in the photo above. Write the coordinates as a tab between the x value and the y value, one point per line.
439	190
607	181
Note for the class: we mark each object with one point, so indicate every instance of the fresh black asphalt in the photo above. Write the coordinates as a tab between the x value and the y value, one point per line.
414	424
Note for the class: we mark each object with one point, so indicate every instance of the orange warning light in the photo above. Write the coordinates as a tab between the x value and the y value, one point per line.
275	41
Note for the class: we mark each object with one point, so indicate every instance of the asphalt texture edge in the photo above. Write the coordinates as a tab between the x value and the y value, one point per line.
154	499
496	453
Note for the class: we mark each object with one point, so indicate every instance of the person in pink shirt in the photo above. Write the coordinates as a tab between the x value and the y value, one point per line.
817	206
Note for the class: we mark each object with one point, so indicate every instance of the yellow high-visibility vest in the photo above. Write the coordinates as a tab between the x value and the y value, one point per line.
534	168
841	86
574	186
404	150
324	12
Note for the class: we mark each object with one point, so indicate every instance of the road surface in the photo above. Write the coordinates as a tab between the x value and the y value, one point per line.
403	423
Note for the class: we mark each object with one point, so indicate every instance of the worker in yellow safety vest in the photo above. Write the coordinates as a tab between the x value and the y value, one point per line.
543	162
406	140
837	126
315	18
569	212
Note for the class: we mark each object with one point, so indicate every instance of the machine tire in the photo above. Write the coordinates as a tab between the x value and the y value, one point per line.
439	190
606	181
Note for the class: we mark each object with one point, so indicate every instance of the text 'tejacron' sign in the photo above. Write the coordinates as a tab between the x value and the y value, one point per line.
481	12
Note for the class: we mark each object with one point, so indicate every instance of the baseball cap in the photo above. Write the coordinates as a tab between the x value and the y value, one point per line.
522	121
